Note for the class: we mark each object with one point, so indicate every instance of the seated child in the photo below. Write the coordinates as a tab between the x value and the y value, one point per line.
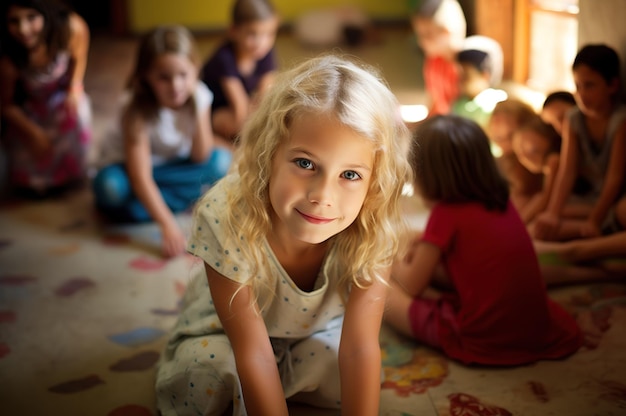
440	28
498	312
46	114
555	107
243	67
537	146
164	154
481	71
594	151
506	117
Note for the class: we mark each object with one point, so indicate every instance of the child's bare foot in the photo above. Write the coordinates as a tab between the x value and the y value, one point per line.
593	324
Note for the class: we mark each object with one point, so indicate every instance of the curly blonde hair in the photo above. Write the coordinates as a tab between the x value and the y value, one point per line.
358	98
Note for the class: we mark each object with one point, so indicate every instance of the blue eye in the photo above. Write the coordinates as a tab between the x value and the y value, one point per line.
351	175
304	163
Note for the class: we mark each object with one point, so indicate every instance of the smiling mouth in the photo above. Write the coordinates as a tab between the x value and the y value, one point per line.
314	219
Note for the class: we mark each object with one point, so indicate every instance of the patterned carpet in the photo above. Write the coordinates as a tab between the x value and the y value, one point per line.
85	308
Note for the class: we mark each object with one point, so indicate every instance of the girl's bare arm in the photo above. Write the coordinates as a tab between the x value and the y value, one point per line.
415	271
238	312
79	49
614	179
203	140
359	350
238	99
566	173
138	161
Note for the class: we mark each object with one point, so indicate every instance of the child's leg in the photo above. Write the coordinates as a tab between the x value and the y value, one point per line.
397	310
224	123
414	317
201	378
183	182
310	372
111	187
586	249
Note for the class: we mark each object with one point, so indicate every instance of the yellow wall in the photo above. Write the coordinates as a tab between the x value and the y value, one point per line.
215	14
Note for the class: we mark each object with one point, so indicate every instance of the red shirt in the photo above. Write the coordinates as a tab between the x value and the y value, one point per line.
503	315
441	78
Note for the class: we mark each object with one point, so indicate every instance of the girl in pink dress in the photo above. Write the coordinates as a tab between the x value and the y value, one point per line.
46	114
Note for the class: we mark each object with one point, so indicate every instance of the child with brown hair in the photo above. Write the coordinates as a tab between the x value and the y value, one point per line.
163	155
498	311
537	146
243	67
594	150
555	107
46	113
506	117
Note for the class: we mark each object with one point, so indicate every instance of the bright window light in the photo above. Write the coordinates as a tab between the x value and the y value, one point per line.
413	113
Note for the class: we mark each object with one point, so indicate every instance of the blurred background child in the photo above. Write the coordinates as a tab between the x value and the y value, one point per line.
555	107
506	117
498	312
440	28
240	71
165	153
537	146
480	64
46	114
594	150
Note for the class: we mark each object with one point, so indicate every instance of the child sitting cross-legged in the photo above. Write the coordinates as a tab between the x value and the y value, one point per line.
498	311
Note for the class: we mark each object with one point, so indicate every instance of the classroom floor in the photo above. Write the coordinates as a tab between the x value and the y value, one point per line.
85	306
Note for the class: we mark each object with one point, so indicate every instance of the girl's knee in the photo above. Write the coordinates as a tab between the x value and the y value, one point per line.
111	187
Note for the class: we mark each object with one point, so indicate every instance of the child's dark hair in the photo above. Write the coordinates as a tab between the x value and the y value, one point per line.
556	96
248	11
56	30
477	59
537	125
453	163
601	58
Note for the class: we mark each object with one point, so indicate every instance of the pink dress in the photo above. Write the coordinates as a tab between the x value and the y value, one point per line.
500	312
44	102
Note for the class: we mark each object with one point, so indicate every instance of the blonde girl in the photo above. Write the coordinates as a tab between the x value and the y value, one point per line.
296	245
164	155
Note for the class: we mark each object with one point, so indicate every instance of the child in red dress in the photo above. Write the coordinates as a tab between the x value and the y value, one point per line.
498	312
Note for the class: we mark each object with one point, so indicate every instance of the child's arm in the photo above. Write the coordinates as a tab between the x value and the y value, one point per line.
359	350
79	49
414	272
202	141
238	312
539	202
38	139
238	99
615	176
265	83
138	161
548	222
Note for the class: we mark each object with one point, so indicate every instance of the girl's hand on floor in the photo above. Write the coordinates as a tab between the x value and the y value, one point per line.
589	229
173	241
546	226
